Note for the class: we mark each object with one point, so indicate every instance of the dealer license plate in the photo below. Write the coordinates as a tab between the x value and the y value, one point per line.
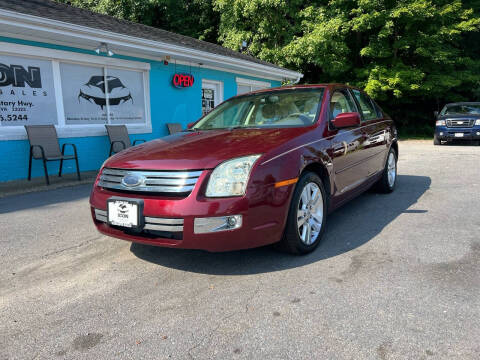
458	134
124	213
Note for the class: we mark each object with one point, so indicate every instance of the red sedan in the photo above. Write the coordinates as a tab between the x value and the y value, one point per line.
261	168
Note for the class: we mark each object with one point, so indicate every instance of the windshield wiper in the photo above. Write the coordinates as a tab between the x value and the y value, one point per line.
227	128
243	127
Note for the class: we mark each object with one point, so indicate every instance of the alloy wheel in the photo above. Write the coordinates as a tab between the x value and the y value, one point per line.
310	213
391	170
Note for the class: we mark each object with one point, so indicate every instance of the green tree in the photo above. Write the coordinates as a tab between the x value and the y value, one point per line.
194	18
410	55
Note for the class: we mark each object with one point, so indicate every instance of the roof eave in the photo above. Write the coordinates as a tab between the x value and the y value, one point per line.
40	25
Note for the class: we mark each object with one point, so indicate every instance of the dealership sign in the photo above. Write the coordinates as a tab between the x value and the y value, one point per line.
27	95
183	80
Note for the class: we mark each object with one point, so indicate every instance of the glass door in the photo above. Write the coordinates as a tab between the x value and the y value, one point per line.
212	95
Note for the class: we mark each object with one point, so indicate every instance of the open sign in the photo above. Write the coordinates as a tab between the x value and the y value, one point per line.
183	80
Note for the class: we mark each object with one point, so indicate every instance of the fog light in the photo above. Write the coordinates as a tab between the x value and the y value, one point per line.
478	133
231	221
441	133
214	224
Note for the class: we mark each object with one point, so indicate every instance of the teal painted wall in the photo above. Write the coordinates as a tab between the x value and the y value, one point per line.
168	104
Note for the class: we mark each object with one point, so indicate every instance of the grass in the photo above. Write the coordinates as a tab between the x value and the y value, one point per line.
419	133
414	137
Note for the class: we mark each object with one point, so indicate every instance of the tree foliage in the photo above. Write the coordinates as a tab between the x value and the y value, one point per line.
412	56
195	18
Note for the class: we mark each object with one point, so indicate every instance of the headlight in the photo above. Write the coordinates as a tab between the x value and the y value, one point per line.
477	122
230	178
440	123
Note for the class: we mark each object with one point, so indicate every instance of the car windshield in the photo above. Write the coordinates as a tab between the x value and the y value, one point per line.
288	108
467	109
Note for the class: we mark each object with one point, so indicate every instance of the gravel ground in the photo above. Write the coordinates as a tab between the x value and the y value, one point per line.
397	277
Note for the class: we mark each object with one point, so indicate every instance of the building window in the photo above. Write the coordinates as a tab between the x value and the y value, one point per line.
27	93
84	94
126	96
78	93
101	95
247	85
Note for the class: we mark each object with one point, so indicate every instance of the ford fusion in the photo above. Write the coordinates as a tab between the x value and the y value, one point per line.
458	121
261	168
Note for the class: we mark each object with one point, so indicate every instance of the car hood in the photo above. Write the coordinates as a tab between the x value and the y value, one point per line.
202	149
459	116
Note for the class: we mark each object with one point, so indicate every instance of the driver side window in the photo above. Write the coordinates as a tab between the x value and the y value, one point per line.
341	102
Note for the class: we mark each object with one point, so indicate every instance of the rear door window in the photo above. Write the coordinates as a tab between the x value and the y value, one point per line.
341	102
367	107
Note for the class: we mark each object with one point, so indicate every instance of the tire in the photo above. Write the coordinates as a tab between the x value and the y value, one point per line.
386	185
436	141
295	238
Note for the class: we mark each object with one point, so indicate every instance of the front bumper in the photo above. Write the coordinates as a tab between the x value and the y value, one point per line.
449	133
264	210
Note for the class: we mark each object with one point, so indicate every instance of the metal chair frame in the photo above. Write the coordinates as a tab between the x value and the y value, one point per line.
60	157
174	128
121	142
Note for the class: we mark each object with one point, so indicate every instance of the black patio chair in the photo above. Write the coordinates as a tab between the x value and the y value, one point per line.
44	146
174	128
119	139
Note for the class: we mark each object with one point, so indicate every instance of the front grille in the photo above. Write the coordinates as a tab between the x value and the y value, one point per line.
151	223
460	123
151	181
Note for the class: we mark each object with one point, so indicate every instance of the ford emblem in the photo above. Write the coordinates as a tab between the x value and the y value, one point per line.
132	180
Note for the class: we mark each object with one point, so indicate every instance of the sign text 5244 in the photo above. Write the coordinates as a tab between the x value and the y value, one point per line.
13	117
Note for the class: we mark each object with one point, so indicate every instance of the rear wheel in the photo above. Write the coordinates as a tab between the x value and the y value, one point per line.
306	217
387	182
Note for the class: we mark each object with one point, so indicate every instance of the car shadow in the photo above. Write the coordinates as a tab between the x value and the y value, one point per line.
349	227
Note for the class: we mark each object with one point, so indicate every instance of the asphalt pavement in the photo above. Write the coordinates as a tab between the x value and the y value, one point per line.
396	277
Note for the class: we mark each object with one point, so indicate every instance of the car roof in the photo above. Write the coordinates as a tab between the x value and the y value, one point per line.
303	86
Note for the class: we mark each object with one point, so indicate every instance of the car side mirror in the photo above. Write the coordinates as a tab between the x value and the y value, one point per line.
189	125
347	119
435	113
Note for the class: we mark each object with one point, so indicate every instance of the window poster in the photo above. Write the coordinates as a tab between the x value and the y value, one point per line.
86	93
126	96
27	95
208	100
242	89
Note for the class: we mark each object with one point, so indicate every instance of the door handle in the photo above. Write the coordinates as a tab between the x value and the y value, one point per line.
378	137
340	149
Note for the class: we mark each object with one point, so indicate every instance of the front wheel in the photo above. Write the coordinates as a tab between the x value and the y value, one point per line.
306	217
387	182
